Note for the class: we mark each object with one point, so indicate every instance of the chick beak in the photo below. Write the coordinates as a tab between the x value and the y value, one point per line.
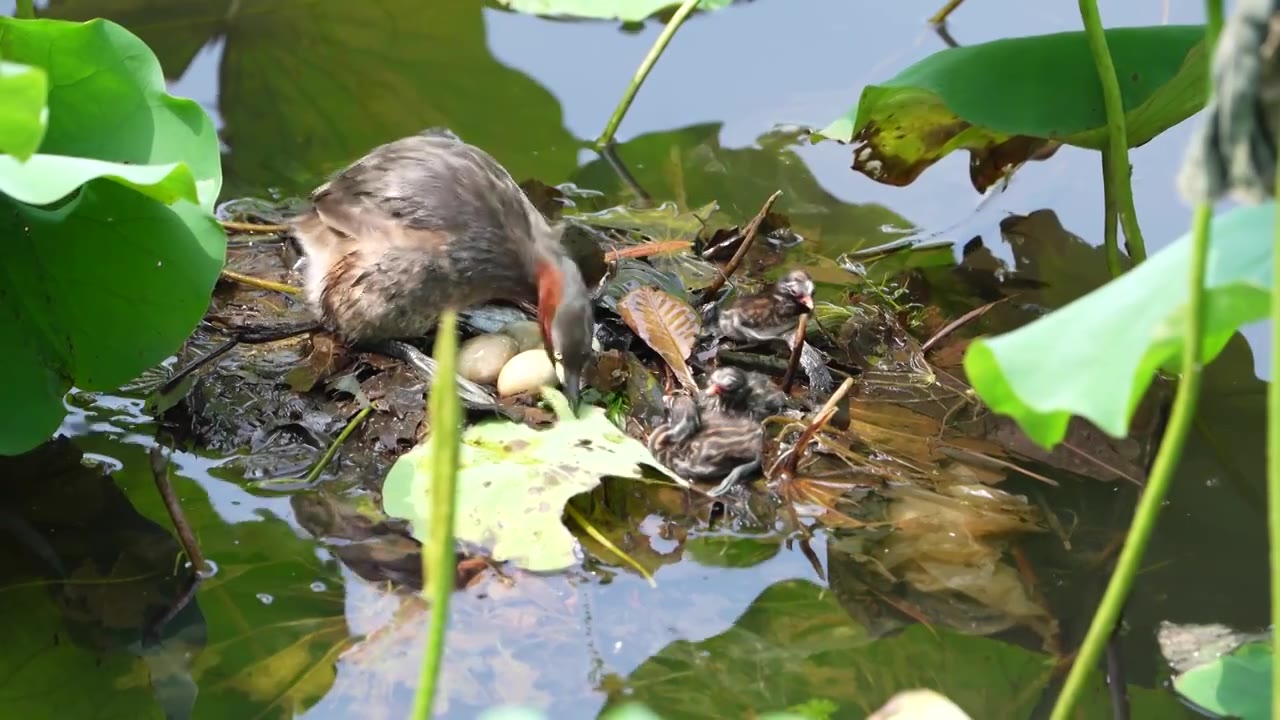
807	301
713	389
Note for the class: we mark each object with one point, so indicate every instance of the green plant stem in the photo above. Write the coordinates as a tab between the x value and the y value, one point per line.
26	10
438	561
329	452
1162	470
1117	155
655	52
1273	461
1110	224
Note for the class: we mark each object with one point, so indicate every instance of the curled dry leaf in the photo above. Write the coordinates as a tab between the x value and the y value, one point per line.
666	324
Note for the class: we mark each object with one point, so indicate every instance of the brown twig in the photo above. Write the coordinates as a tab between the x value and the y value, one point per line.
959	322
748	237
260	283
245	227
792	456
160	471
794	363
647	250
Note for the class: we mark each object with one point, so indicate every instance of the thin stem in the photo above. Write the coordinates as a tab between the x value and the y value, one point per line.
26	10
439	563
248	227
1134	245
797	349
748	237
1148	510
259	283
1110	220
1273	462
655	52
1180	421
599	537
160	473
337	443
1117	155
944	12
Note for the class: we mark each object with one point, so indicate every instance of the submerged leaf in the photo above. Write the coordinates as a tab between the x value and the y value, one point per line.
1237	684
513	482
666	324
1096	356
1002	99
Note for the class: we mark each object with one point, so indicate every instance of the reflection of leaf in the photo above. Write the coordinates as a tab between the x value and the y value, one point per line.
795	643
1104	349
174	31
690	166
625	10
666	324
729	551
999	99
352	76
513	482
22	116
1237	684
355	75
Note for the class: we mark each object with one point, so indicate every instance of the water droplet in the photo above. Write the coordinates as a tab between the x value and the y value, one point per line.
210	569
265	599
318	586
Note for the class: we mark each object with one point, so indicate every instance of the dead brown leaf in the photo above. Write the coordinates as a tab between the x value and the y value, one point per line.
666	324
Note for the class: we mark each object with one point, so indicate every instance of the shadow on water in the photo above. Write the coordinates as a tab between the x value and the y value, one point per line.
306	616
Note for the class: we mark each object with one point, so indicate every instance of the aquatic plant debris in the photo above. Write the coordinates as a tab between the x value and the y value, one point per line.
514	481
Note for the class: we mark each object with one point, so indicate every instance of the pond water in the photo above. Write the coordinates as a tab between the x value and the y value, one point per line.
298	89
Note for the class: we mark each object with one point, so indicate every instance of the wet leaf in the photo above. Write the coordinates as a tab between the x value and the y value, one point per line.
23	117
1237	684
513	482
999	100
625	10
666	324
667	230
326	358
1096	356
633	274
